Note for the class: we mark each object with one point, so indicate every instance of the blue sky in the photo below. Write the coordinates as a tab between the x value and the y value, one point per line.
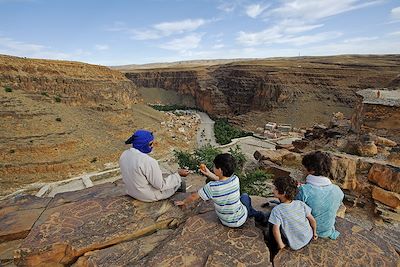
135	32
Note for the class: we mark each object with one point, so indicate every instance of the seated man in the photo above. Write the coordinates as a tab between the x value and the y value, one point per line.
142	174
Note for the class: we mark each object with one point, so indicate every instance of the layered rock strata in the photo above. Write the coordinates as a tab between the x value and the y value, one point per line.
237	88
70	82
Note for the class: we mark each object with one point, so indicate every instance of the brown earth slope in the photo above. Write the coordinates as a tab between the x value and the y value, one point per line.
300	91
60	119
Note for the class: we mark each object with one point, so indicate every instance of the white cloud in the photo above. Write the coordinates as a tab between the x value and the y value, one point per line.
283	32
145	34
168	28
10	46
256	38
227	6
394	33
317	9
183	44
395	13
254	10
164	29
20	47
101	47
308	39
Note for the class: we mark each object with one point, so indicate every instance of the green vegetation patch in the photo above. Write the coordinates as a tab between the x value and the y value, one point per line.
170	107
8	89
224	132
254	182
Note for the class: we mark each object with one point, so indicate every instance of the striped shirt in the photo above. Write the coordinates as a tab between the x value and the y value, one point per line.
294	224
226	197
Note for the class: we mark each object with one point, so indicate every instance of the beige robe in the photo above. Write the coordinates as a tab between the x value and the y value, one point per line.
143	177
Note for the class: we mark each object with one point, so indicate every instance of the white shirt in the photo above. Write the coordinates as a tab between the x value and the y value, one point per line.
143	177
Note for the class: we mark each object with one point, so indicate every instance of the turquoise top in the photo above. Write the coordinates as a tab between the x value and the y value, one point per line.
324	202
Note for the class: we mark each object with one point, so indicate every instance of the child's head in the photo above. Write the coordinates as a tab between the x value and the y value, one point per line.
317	163
226	163
285	186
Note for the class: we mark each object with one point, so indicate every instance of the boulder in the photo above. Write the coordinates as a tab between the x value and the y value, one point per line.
273	168
367	149
386	176
394	158
276	156
384	141
354	247
387	213
85	223
300	144
388	198
204	241
343	171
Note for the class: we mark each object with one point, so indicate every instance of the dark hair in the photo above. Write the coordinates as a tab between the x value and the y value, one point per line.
318	162
226	163
286	185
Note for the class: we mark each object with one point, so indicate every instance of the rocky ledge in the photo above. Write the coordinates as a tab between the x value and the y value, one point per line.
100	226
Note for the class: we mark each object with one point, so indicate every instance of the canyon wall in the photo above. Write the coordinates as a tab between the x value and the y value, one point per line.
73	83
259	85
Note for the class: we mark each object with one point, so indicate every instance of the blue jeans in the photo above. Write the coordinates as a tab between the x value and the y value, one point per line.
259	216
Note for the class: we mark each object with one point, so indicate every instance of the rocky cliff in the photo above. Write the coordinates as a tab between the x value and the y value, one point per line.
70	82
286	85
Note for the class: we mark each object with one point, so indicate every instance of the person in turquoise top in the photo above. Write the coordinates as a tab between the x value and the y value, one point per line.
323	197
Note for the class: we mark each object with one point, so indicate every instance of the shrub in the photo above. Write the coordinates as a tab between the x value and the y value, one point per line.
58	119
93	160
185	160
8	89
57	99
224	132
239	157
255	183
206	155
44	94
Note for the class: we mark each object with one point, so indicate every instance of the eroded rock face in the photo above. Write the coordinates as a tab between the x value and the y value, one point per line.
204	241
354	247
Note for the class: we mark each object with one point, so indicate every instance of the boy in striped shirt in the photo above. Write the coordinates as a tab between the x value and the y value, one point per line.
291	217
224	191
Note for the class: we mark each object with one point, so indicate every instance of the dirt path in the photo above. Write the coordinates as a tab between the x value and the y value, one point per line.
205	134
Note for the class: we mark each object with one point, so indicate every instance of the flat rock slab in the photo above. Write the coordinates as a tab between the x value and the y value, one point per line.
204	241
100	191
123	254
18	215
70	230
354	247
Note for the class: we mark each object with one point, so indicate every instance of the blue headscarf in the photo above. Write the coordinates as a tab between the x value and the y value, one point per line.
141	140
